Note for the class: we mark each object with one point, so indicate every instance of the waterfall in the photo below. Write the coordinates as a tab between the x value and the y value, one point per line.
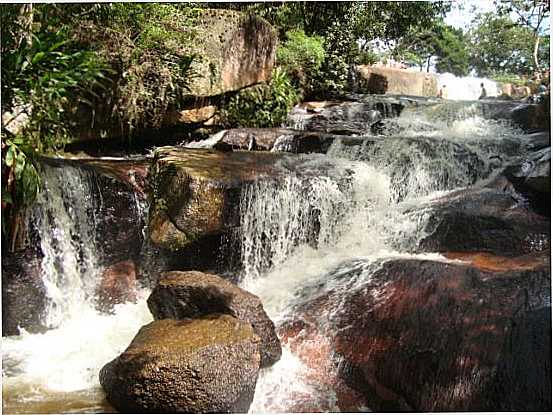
64	216
38	368
468	87
373	210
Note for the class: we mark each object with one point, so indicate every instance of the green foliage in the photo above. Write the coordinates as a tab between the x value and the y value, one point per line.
438	40
45	78
263	105
498	46
301	55
452	52
149	45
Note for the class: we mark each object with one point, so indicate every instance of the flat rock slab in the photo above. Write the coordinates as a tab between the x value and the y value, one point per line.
205	365
180	295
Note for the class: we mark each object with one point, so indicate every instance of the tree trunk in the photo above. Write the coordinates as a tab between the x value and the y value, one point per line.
428	64
536	47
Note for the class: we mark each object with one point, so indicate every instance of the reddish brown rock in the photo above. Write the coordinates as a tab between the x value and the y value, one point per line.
434	336
117	285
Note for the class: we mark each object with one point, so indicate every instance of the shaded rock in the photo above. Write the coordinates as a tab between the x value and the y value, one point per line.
180	295
381	80
526	355
267	139
418	335
532	178
484	219
205	365
344	118
117	285
23	293
531	116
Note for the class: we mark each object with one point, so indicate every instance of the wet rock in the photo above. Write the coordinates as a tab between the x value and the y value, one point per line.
526	355
206	365
343	118
268	139
532	178
23	293
419	335
196	192
484	219
117	285
180	295
531	116
452	321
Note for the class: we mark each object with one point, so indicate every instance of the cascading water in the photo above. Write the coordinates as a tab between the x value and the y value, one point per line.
59	368
321	227
379	215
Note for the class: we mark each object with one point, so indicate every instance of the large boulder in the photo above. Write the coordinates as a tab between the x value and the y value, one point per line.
180	295
205	365
381	80
23	293
485	219
237	49
196	192
420	335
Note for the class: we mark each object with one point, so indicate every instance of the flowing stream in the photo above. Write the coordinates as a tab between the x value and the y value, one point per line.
356	208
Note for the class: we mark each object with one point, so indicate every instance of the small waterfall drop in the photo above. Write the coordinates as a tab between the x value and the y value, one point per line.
63	363
64	215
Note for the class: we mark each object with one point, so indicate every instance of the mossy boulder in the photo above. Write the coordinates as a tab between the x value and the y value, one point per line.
180	295
196	192
205	365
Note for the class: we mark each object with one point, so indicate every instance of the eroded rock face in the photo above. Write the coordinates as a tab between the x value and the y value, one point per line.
380	80
23	293
485	219
238	50
117	285
205	365
419	335
180	295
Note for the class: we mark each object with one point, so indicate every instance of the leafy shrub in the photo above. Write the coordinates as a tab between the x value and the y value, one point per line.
367	57
301	55
149	45
263	105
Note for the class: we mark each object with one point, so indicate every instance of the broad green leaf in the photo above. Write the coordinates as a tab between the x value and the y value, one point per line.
19	165
10	156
